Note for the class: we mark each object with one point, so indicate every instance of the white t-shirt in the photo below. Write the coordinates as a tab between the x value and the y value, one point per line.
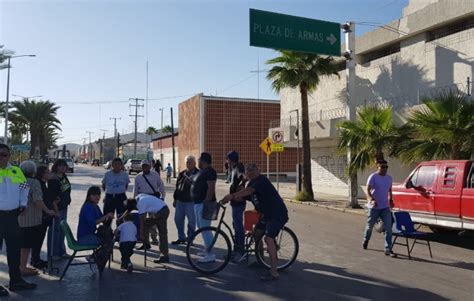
128	231
149	204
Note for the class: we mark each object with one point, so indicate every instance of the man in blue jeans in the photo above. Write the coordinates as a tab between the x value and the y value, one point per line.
183	202
379	193
237	183
204	190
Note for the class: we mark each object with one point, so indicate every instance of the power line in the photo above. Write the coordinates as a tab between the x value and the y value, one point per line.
120	101
403	33
236	84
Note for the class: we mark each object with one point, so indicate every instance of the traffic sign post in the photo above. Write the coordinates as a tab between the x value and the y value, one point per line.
279	31
266	146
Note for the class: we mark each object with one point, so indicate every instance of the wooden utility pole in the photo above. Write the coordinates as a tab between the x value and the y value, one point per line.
136	105
172	143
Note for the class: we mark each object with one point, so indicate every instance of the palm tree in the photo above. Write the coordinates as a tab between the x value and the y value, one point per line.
302	71
368	137
4	53
442	129
151	131
40	117
167	129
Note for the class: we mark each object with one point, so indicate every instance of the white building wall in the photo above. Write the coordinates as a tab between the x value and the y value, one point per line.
400	79
166	156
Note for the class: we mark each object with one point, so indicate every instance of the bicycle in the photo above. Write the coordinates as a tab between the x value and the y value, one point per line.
221	247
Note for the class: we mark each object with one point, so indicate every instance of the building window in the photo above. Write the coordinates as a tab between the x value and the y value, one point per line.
450	29
379	53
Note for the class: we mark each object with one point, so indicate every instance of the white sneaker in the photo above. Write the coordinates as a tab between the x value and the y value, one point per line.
210	257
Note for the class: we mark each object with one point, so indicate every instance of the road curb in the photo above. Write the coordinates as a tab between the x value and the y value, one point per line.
329	207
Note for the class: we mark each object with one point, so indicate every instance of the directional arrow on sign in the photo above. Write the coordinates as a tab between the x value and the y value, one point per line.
332	39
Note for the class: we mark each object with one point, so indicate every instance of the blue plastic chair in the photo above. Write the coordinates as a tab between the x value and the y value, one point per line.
406	229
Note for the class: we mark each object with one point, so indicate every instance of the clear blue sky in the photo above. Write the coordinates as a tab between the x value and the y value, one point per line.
96	51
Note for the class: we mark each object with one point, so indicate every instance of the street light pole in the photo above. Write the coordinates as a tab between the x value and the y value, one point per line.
7	99
298	171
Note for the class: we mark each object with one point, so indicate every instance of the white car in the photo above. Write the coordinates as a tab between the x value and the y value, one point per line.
70	164
108	165
133	165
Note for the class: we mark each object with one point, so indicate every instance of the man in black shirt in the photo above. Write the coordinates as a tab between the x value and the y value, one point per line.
204	190
268	202
237	183
183	202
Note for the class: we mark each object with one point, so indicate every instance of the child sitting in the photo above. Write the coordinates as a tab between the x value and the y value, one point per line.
128	238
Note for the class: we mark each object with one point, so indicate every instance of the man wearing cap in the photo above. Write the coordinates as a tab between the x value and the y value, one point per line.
149	182
237	183
269	203
13	200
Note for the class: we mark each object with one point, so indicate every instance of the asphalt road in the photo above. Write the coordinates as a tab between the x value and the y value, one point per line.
331	266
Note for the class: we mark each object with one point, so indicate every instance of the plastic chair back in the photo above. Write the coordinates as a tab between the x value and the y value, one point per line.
404	222
71	241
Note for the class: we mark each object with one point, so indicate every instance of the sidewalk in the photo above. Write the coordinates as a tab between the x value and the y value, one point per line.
287	191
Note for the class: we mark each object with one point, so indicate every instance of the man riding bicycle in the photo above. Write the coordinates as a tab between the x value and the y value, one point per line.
269	203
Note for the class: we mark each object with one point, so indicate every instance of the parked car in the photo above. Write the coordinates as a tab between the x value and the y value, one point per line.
70	164
108	165
133	165
439	194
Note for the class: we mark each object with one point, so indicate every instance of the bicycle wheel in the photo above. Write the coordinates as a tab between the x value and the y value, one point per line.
208	259
287	249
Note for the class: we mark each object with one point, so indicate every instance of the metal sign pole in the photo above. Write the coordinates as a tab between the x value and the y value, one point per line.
278	172
268	166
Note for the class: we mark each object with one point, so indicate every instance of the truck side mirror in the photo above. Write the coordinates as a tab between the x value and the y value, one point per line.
409	184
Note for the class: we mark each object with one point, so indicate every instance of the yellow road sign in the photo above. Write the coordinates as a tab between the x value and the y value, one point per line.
277	148
266	146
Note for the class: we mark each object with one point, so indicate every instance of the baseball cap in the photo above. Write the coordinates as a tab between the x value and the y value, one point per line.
233	156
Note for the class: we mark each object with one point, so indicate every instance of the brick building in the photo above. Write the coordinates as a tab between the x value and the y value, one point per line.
220	124
162	148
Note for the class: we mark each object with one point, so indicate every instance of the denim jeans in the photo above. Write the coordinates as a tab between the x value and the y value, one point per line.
184	210
238	223
386	217
58	248
201	223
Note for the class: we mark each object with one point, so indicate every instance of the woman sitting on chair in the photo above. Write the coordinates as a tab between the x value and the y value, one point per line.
89	217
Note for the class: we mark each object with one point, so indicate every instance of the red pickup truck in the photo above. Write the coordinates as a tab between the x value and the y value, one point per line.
439	194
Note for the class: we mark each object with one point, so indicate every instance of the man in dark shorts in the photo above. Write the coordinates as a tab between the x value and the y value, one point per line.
268	202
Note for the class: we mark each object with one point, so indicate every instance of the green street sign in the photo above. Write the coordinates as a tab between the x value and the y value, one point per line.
279	31
21	147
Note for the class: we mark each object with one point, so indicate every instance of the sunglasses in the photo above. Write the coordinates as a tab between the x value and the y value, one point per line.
4	155
384	166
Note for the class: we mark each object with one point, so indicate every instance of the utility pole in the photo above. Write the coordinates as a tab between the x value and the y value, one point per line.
136	105
172	142
102	148
349	33
161	134
90	145
115	130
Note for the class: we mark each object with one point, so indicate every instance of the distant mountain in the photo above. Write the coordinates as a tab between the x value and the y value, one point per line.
141	137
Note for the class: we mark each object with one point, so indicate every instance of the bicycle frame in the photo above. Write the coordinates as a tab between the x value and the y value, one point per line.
249	239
